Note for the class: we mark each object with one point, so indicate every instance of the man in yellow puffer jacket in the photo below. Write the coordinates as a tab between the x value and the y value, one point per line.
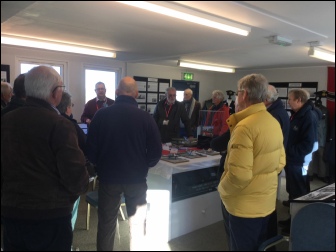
255	157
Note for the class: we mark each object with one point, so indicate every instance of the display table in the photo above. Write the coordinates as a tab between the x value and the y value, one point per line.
324	194
166	219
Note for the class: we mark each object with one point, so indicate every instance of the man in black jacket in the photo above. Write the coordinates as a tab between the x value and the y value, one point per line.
167	115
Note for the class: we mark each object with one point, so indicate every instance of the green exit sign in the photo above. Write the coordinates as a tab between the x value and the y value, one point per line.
187	76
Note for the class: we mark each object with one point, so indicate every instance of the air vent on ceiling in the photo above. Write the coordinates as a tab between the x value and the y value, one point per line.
280	41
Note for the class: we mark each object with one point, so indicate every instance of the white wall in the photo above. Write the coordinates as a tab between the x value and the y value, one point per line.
209	81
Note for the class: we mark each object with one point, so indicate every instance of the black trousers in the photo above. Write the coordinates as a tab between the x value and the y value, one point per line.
37	235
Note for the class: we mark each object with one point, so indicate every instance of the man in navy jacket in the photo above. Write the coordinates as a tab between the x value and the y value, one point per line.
124	142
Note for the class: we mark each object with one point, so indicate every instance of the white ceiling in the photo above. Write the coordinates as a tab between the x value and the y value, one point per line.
141	36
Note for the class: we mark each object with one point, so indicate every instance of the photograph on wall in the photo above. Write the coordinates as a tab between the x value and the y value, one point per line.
152	87
141	85
152	97
151	108
163	86
141	97
161	97
282	92
142	106
311	92
5	73
295	85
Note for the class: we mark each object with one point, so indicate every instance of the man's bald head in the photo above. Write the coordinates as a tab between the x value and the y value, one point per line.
127	86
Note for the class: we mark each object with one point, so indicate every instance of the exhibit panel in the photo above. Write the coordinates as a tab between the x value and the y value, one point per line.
193	203
151	91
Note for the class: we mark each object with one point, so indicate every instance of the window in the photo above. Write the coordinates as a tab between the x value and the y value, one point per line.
25	64
179	95
108	77
25	67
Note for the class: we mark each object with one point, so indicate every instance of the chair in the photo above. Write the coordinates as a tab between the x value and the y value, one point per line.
312	229
92	200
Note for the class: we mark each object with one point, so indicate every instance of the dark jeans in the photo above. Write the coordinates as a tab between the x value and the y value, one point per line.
297	185
37	235
108	206
226	224
246	234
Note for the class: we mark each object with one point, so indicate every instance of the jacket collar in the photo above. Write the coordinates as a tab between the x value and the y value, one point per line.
235	118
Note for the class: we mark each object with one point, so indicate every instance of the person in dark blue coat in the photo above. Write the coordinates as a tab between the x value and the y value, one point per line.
301	140
276	108
123	142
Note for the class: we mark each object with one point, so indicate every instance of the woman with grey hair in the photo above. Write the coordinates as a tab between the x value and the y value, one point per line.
217	115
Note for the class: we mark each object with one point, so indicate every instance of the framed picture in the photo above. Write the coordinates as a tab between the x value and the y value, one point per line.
5	73
141	97
152	97
162	96
142	106
151	108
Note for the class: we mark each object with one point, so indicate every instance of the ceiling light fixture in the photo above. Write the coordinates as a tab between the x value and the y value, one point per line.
56	46
184	13
205	67
321	54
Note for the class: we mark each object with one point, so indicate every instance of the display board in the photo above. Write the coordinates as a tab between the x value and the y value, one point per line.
151	91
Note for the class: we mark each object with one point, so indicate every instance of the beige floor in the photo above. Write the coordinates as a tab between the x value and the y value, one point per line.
210	238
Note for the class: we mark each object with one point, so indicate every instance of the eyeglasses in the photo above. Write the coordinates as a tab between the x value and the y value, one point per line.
63	88
100	89
172	95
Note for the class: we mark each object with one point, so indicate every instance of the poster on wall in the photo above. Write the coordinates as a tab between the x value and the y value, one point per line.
5	73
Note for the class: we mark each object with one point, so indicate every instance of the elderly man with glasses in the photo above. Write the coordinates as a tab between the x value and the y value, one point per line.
168	113
42	168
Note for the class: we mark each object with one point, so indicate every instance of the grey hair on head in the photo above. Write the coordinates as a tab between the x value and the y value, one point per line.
40	81
272	94
65	102
256	86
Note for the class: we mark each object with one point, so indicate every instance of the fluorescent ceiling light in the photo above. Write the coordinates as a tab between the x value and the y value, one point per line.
56	46
205	67
321	54
184	13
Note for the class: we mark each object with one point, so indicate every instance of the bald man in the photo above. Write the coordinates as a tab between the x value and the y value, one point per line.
124	142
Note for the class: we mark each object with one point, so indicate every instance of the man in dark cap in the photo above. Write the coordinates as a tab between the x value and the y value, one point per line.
229	102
